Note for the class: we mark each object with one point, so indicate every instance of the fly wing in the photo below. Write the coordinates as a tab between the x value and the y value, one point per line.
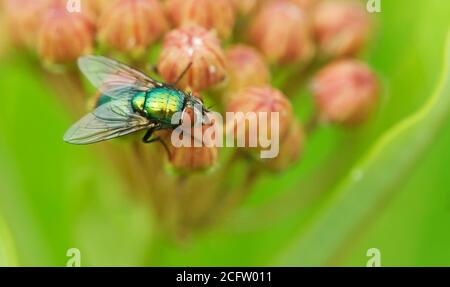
112	77
110	120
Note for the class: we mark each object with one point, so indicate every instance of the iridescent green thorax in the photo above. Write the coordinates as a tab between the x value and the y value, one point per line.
159	103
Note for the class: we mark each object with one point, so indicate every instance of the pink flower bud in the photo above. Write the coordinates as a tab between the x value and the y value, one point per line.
98	6
281	31
258	100
345	92
196	46
23	18
132	25
194	158
291	148
216	14
246	67
305	4
341	27
185	159
64	36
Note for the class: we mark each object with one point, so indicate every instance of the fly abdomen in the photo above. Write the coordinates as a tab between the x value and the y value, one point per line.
138	102
162	103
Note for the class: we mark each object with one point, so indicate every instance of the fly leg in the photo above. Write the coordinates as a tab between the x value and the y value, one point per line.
154	70
148	139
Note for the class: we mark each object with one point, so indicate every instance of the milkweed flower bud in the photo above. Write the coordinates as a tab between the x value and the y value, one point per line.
281	31
341	27
197	47
23	18
305	4
258	100
98	6
246	67
132	25
217	14
64	36
345	92
291	148
191	158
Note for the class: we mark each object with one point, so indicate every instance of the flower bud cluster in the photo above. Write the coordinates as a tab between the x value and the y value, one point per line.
197	39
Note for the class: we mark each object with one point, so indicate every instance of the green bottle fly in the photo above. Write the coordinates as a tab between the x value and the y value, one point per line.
130	102
159	104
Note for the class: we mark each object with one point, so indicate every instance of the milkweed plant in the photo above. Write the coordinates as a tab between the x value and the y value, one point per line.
243	56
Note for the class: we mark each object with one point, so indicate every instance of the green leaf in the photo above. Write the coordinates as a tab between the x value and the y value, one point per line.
7	248
372	180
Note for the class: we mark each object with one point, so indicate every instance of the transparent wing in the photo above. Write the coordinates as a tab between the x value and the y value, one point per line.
111	77
110	120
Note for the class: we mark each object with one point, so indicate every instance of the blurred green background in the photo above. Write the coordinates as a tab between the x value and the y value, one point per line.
385	185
